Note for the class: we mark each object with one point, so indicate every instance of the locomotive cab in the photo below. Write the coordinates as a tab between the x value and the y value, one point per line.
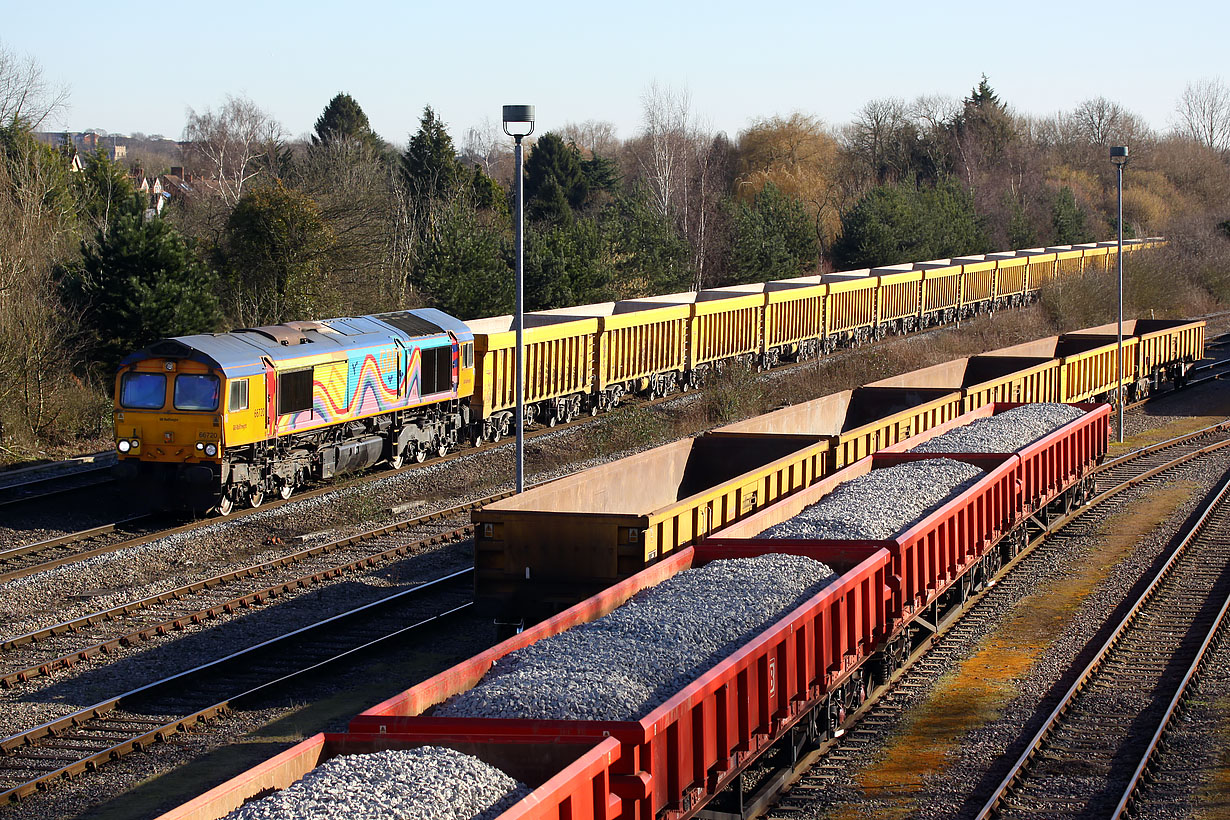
168	426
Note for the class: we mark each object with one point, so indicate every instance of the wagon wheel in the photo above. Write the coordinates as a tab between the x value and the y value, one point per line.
552	420
593	409
286	489
256	496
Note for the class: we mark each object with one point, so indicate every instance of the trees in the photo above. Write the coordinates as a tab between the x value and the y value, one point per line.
566	264
344	120
893	224
104	189
773	237
138	282
1203	113
799	157
275	250
429	164
228	145
648	255
1067	219
26	97
466	268
555	181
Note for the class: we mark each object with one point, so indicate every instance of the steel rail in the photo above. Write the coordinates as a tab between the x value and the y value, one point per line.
48	491
1126	804
200	615
1019	768
24	746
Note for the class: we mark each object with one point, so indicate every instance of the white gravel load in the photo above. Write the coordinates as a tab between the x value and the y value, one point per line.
1004	432
427	783
879	504
623	665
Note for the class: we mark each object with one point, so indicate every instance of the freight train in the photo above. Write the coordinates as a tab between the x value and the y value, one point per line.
218	420
794	683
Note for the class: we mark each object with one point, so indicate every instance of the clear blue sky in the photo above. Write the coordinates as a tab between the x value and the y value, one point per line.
137	66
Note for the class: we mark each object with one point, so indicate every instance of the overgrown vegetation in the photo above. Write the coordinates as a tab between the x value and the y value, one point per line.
261	228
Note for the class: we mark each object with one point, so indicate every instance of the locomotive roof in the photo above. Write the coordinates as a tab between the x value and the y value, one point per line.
239	352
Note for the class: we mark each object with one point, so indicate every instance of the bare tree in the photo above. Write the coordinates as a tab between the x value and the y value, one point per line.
485	144
596	136
26	96
662	151
228	145
879	138
1204	113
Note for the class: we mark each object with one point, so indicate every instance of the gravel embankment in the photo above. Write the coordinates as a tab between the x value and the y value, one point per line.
1005	432
428	783
625	664
881	503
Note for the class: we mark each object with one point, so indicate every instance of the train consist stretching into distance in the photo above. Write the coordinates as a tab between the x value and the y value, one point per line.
216	420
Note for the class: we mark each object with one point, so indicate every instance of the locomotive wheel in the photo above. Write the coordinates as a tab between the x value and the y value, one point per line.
398	461
226	505
442	450
420	456
285	490
256	497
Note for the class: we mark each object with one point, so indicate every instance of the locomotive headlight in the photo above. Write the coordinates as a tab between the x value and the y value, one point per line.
200	445
123	446
211	450
136	442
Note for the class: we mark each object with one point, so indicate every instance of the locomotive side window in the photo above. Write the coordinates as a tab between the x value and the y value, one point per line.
467	354
193	392
143	391
239	395
294	391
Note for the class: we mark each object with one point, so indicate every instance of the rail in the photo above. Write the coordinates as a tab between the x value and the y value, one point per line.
1132	620
214	610
242	675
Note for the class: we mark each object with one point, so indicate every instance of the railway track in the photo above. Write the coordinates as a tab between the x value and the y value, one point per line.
41	488
786	794
1090	756
81	742
38	556
63	645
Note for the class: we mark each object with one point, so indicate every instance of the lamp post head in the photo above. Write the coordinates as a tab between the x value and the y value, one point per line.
518	121
1119	154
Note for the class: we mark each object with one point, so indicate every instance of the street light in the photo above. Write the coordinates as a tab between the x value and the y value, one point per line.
1119	156
519	123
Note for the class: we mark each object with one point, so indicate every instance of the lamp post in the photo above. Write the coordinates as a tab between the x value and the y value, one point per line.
1119	156
519	123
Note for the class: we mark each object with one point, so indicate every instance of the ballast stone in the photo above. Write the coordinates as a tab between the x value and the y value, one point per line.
1004	432
623	665
427	783
879	504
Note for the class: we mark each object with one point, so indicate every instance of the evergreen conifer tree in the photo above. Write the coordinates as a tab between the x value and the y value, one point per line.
140	282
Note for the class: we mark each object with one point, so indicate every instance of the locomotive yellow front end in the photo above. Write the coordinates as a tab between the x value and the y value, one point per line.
168	428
